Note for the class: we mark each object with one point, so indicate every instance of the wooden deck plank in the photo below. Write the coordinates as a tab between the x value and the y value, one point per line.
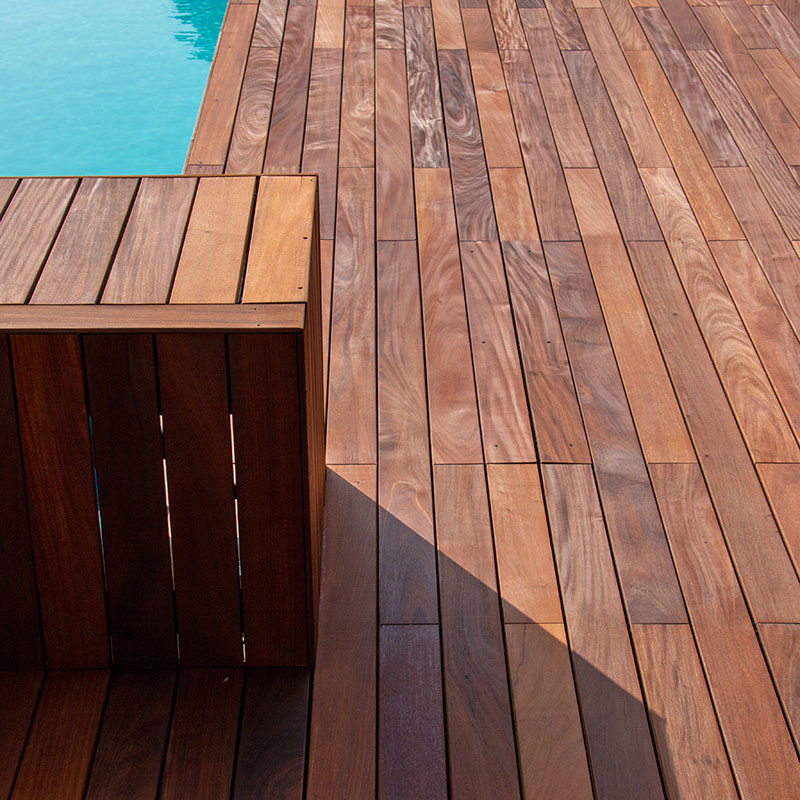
389	34
747	26
686	25
357	133
781	31
19	695
565	24
782	77
481	755
270	21
781	646
407	557
513	209
7	188
506	24
626	27
782	485
447	25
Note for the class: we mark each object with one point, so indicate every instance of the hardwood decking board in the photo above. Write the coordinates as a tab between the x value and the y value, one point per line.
479	34
411	730
714	136
270	21
763	424
447	25
202	740
781	646
357	132
77	264
516	220
249	138
407	551
389	33
506	24
145	261
565	119
686	25
321	142
694	763
351	396
502	405
19	695
782	77
545	177
757	550
633	211
649	586
747	26
480	736
326	286
528	585
133	736
329	25
782	485
7	188
625	25
780	30
551	395
27	230
565	23
271	751
617	736
425	105
393	158
552	751
766	766
285	139
342	745
455	432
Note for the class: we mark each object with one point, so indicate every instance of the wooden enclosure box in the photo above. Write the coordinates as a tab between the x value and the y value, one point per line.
162	433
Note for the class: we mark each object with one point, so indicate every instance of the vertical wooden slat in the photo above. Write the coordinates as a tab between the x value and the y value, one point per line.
63	508
19	694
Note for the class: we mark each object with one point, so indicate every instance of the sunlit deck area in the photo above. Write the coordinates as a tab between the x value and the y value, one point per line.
561	340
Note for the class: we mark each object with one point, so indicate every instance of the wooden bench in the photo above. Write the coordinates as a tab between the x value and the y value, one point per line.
161	421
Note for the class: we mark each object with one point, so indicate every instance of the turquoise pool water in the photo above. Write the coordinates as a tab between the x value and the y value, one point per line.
102	87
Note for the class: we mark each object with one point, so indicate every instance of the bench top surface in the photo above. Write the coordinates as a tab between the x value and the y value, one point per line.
153	241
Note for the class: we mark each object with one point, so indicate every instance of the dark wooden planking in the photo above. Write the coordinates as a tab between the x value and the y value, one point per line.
551	395
774	177
351	396
749	392
407	559
20	632
321	142
269	491
757	550
249	139
126	436
341	756
411	730
285	139
197	448
56	451
455	433
19	695
357	132
552	752
633	211
389	32
133	736
655	410
326	269
148	252
714	136
687	28
649	586
270	22
617	736
393	158
761	751
202	740
27	229
77	265
564	117
61	742
528	586
625	24
542	165
425	105
502	405
694	763
782	646
272	739
214	125
565	23
481	755
473	199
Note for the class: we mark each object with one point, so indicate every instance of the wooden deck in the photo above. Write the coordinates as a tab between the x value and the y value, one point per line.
562	314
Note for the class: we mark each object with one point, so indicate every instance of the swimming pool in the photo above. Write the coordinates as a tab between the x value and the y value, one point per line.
96	87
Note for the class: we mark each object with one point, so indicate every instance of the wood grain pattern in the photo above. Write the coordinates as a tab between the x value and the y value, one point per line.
202	740
407	557
411	741
626	26
480	735
747	26
133	736
686	25
351	386
551	394
7	188
19	695
782	77
780	30
506	24
61	741
455	434
27	229
617	737
512	205
662	432
552	752
565	24
447	24
649	586
357	133
341	756
389	32
782	486
270	22
329	27
781	646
